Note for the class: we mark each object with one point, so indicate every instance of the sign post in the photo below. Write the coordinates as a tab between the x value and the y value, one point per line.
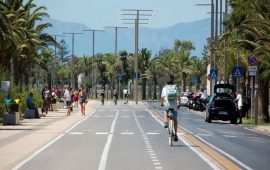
252	68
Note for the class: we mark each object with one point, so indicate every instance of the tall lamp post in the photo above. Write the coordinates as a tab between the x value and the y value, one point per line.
72	57
137	13
93	55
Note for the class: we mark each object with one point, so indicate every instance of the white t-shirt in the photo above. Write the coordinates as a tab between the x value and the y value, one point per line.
172	103
67	95
125	91
239	100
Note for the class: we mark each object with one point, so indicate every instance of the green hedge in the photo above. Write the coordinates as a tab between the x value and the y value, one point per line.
15	92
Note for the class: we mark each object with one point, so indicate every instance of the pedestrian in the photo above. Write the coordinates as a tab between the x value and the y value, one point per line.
102	95
76	98
82	100
125	92
67	97
239	101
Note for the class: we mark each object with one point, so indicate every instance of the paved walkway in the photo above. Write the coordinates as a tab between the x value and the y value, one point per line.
20	141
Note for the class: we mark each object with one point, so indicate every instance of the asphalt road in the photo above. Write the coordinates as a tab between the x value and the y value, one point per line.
118	137
248	149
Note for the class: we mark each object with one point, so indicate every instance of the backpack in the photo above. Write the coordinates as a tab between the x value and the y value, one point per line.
171	92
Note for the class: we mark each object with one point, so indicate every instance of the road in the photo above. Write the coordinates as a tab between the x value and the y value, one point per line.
132	137
248	149
118	137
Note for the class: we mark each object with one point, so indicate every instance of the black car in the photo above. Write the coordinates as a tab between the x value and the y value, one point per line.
221	105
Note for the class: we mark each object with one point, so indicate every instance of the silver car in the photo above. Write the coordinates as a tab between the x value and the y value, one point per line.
184	99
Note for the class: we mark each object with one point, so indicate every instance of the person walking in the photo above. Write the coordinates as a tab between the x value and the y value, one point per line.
67	97
82	100
125	91
239	101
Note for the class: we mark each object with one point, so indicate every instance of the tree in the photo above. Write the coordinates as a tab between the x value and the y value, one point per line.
144	60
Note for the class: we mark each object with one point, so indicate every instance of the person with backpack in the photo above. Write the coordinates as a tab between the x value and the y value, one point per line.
170	99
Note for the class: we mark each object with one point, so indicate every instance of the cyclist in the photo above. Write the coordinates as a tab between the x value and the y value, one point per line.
115	95
170	99
102	95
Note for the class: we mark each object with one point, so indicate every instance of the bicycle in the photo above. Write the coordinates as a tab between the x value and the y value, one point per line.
171	127
115	100
102	100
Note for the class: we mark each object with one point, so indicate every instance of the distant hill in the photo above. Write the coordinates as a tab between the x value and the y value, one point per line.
154	39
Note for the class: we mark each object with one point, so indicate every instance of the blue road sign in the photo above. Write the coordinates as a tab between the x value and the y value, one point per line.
237	72
252	61
136	77
213	73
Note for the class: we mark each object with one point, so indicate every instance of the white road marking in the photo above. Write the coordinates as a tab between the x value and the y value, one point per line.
127	133
126	116
102	133
36	153
18	166
102	164
76	133
229	136
226	154
197	151
140	116
147	143
152	133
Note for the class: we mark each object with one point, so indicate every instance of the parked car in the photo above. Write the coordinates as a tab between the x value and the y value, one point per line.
184	99
221	105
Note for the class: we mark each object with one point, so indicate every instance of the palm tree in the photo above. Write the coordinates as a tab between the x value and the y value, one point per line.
182	51
144	60
251	28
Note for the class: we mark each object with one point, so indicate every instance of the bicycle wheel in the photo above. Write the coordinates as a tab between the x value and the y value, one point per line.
171	135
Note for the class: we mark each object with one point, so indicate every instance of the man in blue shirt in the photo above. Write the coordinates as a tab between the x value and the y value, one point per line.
31	105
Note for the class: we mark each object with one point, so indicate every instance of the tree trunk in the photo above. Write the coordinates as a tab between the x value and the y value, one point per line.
144	88
184	76
155	90
14	70
264	99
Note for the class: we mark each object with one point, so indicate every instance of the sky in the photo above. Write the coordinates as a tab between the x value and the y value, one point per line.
99	13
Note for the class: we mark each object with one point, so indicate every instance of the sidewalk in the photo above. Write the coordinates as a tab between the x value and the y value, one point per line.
20	141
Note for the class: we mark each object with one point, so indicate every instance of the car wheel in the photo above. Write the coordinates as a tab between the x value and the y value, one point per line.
209	120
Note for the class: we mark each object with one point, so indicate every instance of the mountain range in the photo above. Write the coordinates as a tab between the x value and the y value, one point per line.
154	39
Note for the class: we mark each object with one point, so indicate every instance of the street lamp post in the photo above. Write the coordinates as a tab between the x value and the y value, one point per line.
137	13
72	57
93	55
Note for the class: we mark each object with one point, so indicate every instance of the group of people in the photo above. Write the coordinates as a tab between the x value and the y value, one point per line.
49	96
115	95
73	99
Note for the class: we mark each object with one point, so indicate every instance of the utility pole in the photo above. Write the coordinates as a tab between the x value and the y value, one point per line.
93	76
225	43
72	58
211	39
116	35
137	13
52	76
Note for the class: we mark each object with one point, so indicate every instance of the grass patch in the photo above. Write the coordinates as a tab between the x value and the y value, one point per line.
248	122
